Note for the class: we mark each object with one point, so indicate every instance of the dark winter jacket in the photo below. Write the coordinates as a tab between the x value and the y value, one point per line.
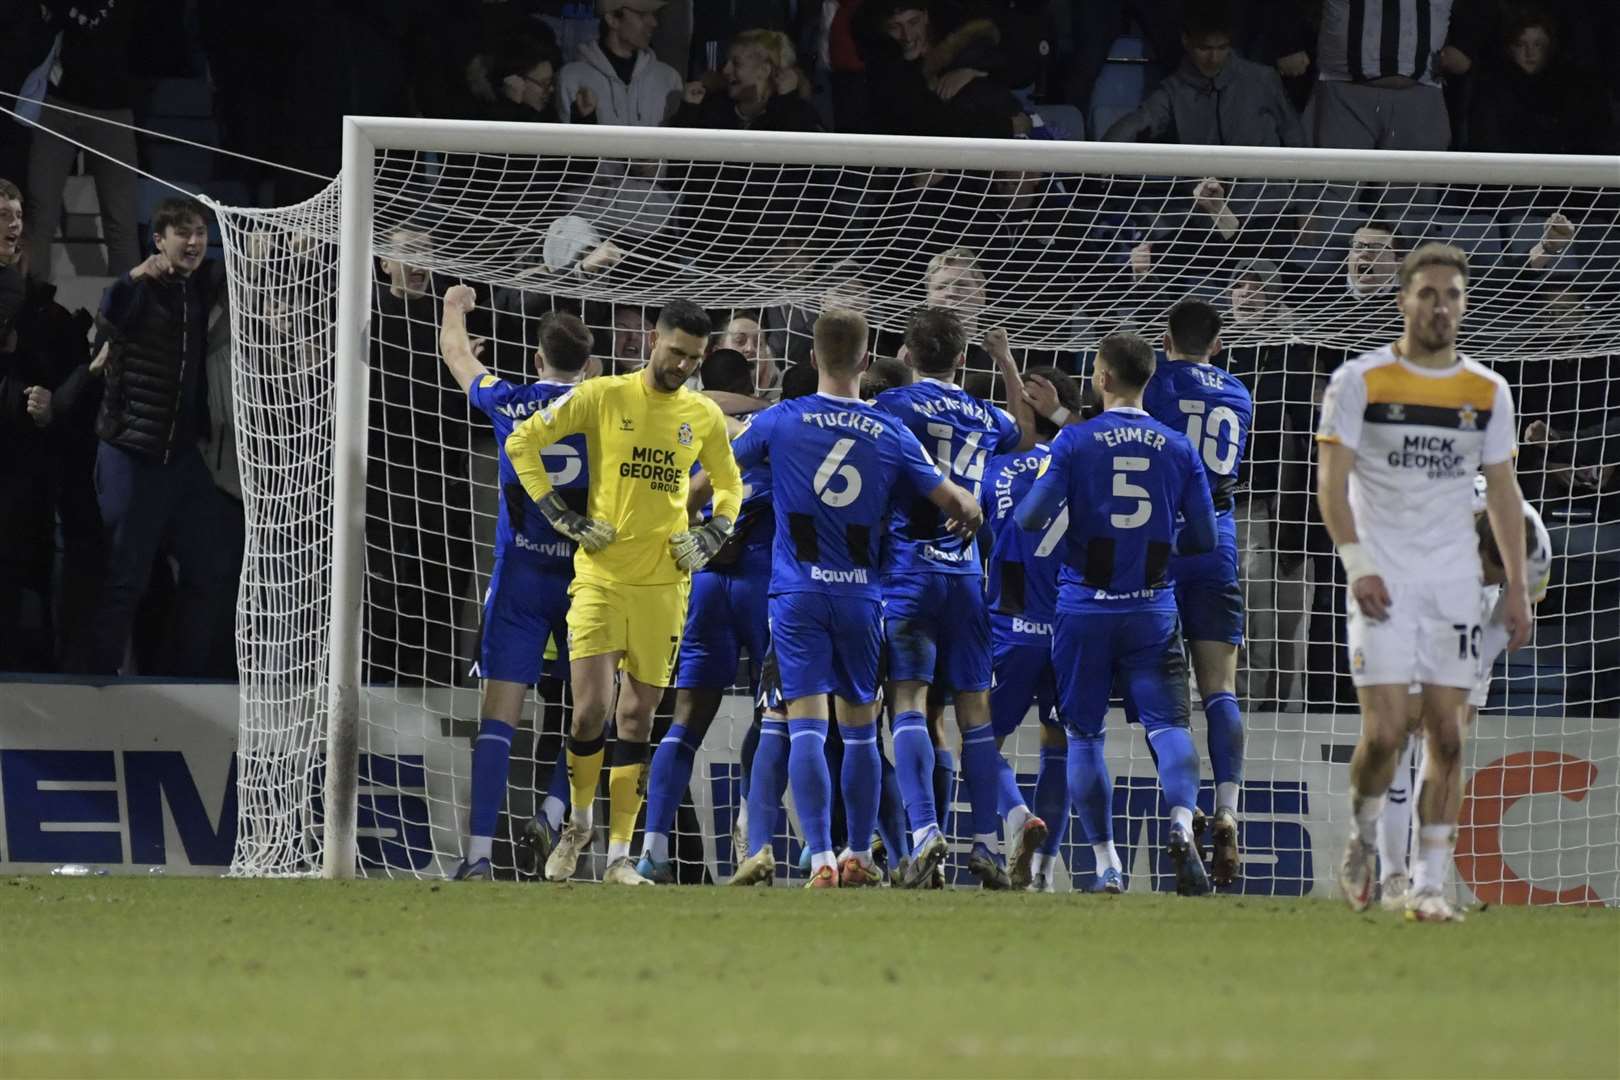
156	397
1243	105
1552	112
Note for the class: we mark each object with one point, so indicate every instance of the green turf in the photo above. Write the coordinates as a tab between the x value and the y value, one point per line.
172	977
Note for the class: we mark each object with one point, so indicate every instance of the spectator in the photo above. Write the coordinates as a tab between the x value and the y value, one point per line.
517	80
1380	89
925	78
154	488
1528	100
744	332
631	85
728	371
632	339
716	21
1214	97
92	76
762	89
846	73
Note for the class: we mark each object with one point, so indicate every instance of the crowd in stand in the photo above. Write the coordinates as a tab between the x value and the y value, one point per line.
122	519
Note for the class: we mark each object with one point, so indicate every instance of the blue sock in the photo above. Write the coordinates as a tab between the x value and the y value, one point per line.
812	786
891	822
750	746
492	754
770	777
1178	765
980	758
669	775
1008	795
944	786
914	768
861	779
1052	796
1225	738
1090	788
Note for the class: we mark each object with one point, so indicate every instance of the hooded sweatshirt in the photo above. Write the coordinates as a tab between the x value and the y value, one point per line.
647	100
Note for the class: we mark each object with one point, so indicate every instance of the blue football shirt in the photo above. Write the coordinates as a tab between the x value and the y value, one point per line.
1023	566
961	433
838	466
1213	409
520	527
1125	478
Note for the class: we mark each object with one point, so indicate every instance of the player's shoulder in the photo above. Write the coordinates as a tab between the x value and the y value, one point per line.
1362	364
1478	370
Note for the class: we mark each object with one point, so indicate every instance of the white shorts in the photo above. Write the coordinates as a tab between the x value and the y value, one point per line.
1431	636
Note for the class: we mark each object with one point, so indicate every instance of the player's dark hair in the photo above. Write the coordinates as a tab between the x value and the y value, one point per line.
840	339
1194	325
1488	549
886	373
799	380
685	316
1129	358
177	210
935	337
565	341
9	191
1205	18
728	370
1068	394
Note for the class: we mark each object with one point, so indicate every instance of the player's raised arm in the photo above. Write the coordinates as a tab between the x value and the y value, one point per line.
570	415
995	343
459	351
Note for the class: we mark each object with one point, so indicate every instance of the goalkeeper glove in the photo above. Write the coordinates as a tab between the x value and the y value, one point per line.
694	549
588	533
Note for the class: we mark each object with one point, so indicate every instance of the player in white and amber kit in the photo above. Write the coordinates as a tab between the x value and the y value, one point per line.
1404	429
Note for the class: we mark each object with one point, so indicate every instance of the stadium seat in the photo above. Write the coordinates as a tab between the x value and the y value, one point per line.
1120	85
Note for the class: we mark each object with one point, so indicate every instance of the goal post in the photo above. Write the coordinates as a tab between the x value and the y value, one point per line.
339	746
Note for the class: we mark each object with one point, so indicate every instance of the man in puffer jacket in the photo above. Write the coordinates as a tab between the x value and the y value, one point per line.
631	85
153	487
1215	97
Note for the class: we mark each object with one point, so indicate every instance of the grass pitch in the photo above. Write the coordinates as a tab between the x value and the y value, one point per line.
172	977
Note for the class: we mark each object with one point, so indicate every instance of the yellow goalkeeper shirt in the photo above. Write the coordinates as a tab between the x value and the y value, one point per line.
640	446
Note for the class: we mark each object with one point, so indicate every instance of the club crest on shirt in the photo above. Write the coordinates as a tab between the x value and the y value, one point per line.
626	424
683	435
1396	412
1468	418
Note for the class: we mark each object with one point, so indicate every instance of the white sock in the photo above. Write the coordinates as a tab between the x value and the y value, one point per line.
1107	856
988	839
656	847
1226	796
1434	849
618	849
478	847
553	810
822	858
1015	820
1181	817
919	835
742	818
1367	809
850	853
580	818
1039	863
1395	820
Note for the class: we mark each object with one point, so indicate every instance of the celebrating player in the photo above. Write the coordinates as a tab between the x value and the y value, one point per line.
527	601
1022	594
1125	478
1403	430
643	432
1214	410
1395	823
838	467
726	616
937	624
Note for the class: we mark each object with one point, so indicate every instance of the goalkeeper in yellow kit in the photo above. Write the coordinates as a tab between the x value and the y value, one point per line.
643	432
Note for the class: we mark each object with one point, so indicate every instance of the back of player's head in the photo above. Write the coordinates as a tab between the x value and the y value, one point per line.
1433	254
1193	326
1068	395
565	341
799	380
728	370
685	316
886	373
1129	359
178	211
935	340
840	341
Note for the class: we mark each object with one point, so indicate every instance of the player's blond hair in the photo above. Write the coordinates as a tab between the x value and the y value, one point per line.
777	46
1433	254
840	337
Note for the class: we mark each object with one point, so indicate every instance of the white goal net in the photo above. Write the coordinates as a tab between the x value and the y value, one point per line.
337	373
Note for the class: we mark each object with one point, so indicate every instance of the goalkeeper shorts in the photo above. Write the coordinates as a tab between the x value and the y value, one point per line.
641	621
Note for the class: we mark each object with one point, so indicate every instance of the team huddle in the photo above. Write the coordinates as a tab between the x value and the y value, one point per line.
926	547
